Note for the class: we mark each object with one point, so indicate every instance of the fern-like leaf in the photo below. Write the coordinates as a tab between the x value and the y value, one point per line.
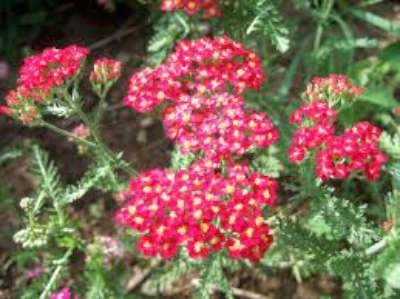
269	22
47	172
90	179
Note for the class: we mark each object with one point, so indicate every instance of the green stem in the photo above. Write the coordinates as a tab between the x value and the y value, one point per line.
55	273
95	133
326	10
66	133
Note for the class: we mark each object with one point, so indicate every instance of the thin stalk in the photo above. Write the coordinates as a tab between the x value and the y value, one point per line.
95	133
326	10
55	273
66	133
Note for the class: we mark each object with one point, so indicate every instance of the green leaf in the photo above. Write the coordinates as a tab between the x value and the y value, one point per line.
47	172
10	153
379	95
91	178
391	55
376	20
269	22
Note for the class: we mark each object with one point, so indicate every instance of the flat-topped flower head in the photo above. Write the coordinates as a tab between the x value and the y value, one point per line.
200	209
201	67
356	150
21	105
316	126
40	73
217	126
209	7
334	89
105	70
336	156
199	86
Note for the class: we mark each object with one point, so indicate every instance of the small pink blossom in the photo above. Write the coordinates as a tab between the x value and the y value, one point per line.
64	293
81	131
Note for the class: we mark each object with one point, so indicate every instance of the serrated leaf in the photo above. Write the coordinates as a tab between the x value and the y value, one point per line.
269	22
10	153
47	172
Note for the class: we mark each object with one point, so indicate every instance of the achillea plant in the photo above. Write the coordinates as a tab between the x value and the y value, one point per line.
209	7
39	77
229	200
336	156
201	210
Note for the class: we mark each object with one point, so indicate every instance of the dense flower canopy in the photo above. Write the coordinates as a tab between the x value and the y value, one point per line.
210	7
200	86
201	210
38	76
336	156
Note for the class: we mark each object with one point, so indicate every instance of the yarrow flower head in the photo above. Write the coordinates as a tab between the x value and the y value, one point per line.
316	127
210	7
200	86
201	211
336	156
21	105
357	149
202	66
42	72
64	293
105	70
39	75
334	88
217	126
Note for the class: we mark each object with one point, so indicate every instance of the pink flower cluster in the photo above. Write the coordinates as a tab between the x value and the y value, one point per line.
202	114
64	293
210	7
316	127
335	85
202	66
217	126
202	210
357	149
38	76
105	70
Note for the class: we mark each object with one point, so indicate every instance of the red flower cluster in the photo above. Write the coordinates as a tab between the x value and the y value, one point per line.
337	156
40	73
208	207
38	76
355	150
217	126
105	70
316	127
201	66
335	85
210	7
201	114
200	209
